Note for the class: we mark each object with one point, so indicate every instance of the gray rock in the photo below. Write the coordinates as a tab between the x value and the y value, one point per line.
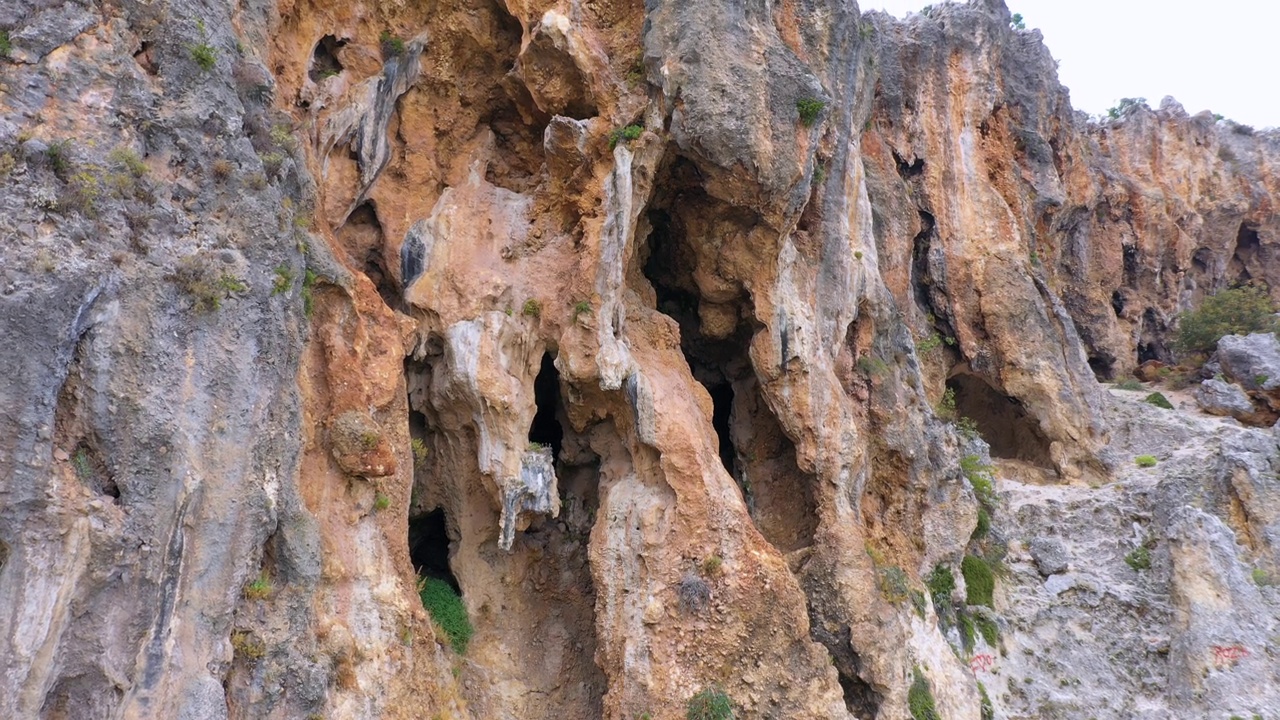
1050	555
1221	398
1251	360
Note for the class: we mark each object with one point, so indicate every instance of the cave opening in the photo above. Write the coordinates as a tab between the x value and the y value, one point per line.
324	59
1247	253
545	428
1002	420
429	547
1150	345
1103	367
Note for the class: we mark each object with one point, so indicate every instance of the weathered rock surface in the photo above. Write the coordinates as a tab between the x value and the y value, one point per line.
695	343
1221	398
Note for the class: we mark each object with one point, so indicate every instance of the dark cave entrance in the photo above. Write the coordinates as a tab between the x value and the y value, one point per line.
429	547
1103	367
1248	253
669	261
1002	421
545	428
324	59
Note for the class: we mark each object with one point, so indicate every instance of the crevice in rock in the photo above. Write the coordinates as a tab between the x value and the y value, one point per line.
860	699
545	428
1247	254
1002	420
429	547
324	59
908	170
715	336
1151	343
362	237
1117	303
145	57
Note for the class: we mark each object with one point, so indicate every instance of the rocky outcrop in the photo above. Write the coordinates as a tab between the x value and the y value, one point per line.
700	346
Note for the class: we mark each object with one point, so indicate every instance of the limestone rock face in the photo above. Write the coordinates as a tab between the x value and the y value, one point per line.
698	346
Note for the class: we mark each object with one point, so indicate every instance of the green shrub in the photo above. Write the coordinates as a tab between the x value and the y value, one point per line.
391	46
709	704
929	344
988	710
1159	400
419	448
979	476
920	698
259	589
204	55
988	629
809	109
941	582
1139	559
893	583
980	582
6	46
967	632
625	134
381	502
712	565
1125	106
59	156
129	160
984	524
1129	384
1239	310
447	610
308	301
532	308
283	281
1261	578
1145	461
582	307
1017	23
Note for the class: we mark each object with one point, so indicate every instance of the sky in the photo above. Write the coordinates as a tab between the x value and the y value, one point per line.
1217	55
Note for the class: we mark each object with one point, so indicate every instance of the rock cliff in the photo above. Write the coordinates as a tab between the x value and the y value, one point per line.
741	351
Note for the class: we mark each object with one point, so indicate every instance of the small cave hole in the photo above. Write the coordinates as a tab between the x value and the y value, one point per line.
908	169
545	428
1102	367
1247	254
1130	265
1201	259
722	408
429	547
324	59
1002	420
1117	303
145	57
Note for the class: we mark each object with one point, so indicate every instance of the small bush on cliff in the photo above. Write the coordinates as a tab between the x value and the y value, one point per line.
204	55
979	581
710	704
920	698
391	46
447	610
259	589
1145	461
1139	559
625	135
1236	311
809	109
1016	22
1159	400
1125	106
6	46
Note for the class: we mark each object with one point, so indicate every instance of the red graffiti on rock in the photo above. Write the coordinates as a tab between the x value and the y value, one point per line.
1228	654
982	662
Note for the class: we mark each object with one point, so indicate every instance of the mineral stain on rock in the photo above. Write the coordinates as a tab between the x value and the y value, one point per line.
686	345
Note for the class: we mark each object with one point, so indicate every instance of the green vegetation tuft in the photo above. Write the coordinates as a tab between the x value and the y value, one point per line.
979	476
283	281
6	45
1139	559
532	308
980	582
988	710
260	588
582	307
1129	384
712	566
809	109
920	698
446	609
204	55
709	704
941	583
1145	461
1125	106
984	525
84	468
1236	311
381	502
129	160
988	629
893	583
308	300
391	46
1017	23
625	135
1159	400
1262	578
419	448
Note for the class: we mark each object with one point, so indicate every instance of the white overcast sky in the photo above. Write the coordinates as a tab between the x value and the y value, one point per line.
1218	55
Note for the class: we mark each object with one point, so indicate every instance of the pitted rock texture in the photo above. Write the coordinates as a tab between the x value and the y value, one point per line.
696	344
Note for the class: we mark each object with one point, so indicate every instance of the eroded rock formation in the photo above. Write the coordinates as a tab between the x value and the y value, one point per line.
696	344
